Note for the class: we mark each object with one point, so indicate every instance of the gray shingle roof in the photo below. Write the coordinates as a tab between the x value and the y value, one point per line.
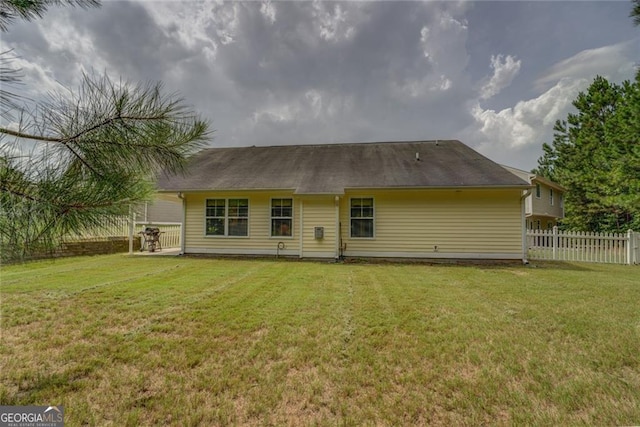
332	168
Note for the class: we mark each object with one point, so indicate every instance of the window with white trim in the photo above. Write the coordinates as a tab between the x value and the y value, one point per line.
227	217
538	190
361	217
281	217
551	196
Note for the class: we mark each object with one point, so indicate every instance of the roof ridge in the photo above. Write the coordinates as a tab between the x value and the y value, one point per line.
335	144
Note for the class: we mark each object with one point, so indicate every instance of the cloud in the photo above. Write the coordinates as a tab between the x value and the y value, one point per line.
332	21
615	62
310	72
443	43
268	10
504	71
523	127
442	61
42	79
528	121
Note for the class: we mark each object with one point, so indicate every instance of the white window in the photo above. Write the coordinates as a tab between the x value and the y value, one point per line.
551	196
362	217
538	191
281	217
227	217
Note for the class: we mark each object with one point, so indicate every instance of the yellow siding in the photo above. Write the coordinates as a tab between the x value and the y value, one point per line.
408	223
259	240
319	211
414	223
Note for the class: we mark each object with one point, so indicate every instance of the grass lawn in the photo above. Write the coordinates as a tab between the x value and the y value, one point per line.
186	341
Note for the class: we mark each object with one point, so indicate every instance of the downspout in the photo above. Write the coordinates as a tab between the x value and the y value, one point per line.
523	225
301	221
183	227
337	228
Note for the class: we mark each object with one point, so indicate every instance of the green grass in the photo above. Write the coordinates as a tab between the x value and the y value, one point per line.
185	341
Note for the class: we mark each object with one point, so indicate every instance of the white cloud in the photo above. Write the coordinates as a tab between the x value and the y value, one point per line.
504	71
430	84
424	37
202	25
41	78
528	121
616	62
268	10
442	43
332	24
312	105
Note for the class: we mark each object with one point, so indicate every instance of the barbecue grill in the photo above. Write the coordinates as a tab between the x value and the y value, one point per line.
150	239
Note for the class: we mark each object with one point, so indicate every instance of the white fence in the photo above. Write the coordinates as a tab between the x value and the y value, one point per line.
609	248
109	227
119	227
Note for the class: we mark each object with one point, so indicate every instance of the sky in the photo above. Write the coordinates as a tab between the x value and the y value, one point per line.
494	75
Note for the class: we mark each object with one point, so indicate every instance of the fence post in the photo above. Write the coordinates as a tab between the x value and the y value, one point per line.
555	242
630	244
132	220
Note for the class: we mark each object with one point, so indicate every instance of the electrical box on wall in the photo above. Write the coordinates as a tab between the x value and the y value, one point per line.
318	232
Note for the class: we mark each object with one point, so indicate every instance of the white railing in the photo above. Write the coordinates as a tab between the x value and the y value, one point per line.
109	227
611	248
118	227
170	233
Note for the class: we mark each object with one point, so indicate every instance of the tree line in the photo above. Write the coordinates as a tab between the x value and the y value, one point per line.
595	154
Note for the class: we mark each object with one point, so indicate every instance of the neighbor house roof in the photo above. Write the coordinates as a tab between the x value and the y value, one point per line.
533	178
332	168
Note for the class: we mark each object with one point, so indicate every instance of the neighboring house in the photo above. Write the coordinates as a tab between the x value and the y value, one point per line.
429	199
160	211
545	206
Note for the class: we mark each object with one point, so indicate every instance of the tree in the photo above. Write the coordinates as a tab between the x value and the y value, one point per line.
10	10
596	155
85	155
635	12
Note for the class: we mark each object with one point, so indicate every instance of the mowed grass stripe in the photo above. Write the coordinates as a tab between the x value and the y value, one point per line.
186	341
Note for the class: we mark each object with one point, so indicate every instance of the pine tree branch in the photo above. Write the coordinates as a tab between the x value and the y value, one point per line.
66	207
18	193
23	135
106	122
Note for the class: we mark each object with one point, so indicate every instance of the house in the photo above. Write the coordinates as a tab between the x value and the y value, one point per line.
159	211
425	199
544	207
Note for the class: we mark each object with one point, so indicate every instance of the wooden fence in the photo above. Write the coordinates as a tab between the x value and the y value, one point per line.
118	227
612	248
